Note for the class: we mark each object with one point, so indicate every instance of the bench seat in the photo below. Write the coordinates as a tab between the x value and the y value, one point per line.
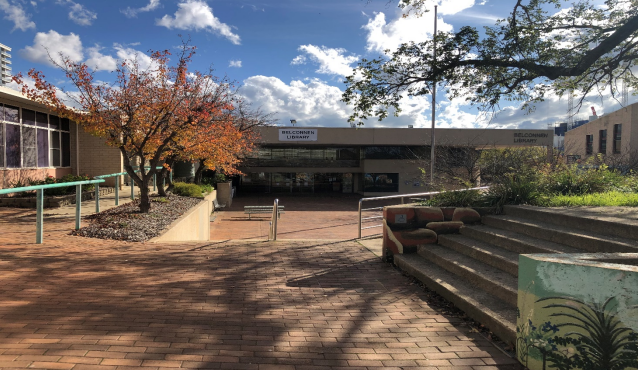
263	209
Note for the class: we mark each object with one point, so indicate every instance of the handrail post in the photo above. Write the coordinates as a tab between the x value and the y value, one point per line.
78	206
117	190
39	215
97	198
275	213
360	203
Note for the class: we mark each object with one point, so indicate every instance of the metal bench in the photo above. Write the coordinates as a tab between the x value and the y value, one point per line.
263	209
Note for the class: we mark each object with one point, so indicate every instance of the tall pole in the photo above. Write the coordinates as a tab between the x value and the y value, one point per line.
433	103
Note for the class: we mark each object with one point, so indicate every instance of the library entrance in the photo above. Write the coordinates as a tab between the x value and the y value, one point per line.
296	182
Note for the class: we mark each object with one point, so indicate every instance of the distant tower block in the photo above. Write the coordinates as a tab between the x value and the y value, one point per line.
5	65
570	110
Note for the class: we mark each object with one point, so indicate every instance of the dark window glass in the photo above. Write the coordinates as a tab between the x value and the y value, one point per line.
589	144
28	145
381	182
66	149
1	144
1	113
65	124
28	117
617	137
54	122
397	152
41	119
11	114
602	144
12	149
55	149
43	148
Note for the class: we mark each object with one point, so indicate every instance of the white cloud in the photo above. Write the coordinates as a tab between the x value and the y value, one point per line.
132	12
197	15
235	63
331	61
81	15
15	13
126	53
388	36
51	45
99	61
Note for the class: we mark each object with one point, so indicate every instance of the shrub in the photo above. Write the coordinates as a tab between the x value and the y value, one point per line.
207	188
187	190
466	198
64	190
515	188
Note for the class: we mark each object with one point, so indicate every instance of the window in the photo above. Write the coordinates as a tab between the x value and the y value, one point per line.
31	139
589	144
602	141
381	182
617	136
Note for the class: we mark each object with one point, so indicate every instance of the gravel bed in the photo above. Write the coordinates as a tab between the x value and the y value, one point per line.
126	222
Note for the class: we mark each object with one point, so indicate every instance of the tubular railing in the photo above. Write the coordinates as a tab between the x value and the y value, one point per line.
117	187
39	203
402	197
272	233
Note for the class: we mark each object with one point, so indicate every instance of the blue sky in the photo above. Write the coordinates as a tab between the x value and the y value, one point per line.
288	56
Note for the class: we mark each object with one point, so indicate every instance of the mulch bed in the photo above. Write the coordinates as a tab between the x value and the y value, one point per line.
126	222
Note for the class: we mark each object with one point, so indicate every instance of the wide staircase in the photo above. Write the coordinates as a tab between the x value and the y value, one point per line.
477	270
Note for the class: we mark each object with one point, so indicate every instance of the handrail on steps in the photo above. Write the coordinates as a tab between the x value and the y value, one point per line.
402	197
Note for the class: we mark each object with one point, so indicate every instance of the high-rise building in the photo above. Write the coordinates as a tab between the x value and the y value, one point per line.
5	65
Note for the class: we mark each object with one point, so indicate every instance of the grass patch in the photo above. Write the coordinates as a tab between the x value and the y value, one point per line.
612	198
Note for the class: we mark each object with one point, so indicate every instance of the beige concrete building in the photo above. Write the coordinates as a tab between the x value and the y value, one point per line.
367	161
35	143
609	135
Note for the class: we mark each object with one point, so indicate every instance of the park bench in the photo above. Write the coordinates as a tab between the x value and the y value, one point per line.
263	209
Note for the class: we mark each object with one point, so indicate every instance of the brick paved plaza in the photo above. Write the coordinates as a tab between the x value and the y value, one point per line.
78	303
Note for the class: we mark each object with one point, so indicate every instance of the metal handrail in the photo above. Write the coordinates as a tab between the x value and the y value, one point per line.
273	223
117	187
402	197
39	203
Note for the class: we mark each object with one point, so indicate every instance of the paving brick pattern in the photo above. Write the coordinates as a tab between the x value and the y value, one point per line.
79	303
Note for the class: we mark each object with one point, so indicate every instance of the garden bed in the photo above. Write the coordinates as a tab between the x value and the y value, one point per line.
126	222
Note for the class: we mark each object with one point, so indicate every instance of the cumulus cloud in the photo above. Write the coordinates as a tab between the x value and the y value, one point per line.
14	13
197	15
78	13
127	53
331	61
99	61
235	63
50	45
132	12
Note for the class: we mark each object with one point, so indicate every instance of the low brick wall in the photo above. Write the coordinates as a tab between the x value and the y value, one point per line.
52	201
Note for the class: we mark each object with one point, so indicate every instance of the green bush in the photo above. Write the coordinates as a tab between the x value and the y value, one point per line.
515	188
612	198
187	190
207	188
466	198
64	190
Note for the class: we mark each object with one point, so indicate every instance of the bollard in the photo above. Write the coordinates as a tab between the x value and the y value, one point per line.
97	198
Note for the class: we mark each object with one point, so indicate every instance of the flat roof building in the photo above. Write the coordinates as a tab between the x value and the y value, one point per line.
368	161
5	65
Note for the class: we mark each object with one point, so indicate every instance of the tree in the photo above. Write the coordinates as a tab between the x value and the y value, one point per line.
584	48
145	111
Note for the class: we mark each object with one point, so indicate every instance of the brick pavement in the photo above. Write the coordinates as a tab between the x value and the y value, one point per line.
305	217
78	303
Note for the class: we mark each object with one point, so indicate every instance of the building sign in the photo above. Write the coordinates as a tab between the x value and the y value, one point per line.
529	137
297	134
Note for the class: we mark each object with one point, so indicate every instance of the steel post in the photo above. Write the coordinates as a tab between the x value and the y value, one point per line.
360	202
97	198
117	190
78	206
39	205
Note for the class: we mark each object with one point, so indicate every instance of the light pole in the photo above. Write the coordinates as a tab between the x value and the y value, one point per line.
432	141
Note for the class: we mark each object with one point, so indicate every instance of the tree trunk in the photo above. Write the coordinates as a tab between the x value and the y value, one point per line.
145	198
163	174
199	172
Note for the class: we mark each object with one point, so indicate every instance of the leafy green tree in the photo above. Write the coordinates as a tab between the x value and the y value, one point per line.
543	46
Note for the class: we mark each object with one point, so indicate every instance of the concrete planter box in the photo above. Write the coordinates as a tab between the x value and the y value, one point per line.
194	225
52	201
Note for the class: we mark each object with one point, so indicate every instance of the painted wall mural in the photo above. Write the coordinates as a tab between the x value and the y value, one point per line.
578	311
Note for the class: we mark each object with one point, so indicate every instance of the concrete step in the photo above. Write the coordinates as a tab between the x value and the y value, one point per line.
490	279
515	242
591	219
576	238
500	258
496	315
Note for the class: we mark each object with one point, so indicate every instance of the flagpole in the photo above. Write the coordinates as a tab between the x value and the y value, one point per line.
432	142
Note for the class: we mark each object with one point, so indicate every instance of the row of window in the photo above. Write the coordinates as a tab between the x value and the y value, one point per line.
31	139
602	141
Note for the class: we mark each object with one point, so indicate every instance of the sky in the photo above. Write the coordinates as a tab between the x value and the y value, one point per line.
288	57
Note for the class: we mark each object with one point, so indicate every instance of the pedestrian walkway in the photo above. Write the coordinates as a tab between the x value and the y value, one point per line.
79	303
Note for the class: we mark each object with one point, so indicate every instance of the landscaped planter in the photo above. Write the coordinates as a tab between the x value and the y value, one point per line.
52	201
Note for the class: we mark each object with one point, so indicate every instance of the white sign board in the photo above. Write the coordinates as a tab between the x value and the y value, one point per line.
297	134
